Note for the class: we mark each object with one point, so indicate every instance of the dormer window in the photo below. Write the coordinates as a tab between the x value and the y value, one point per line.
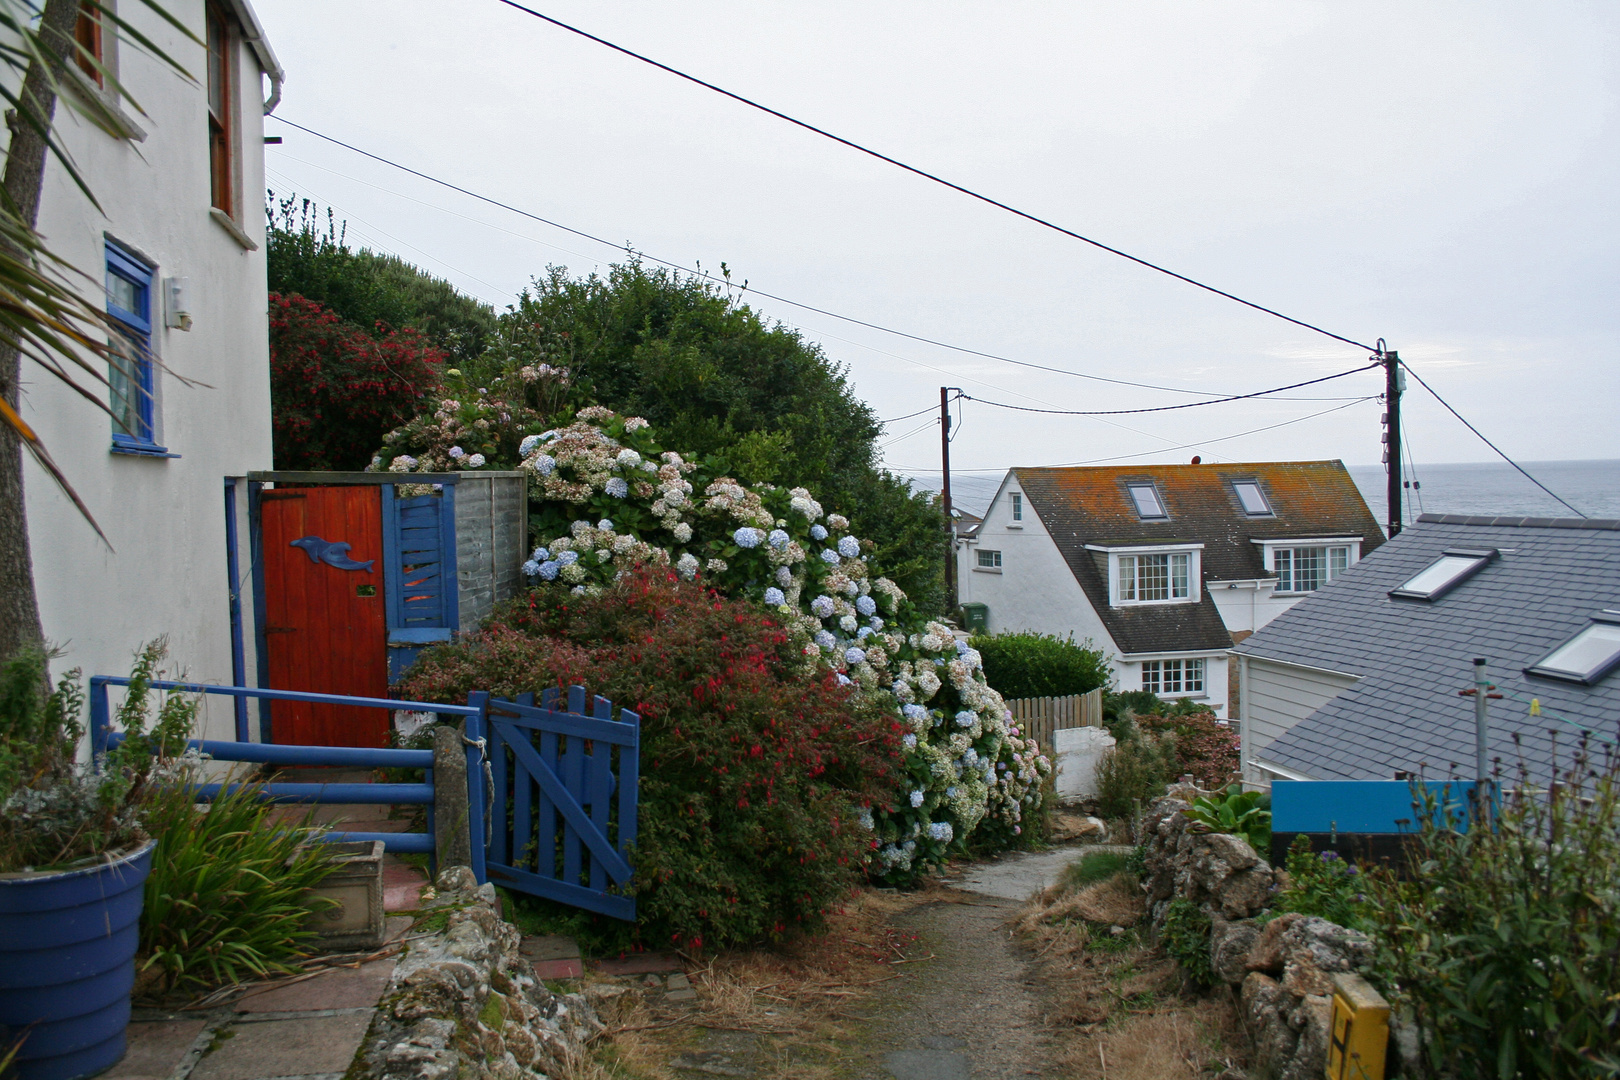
1451	569
1017	506
1144	579
1586	657
1149	507
1255	503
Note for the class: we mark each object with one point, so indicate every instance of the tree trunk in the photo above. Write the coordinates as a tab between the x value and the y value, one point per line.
24	179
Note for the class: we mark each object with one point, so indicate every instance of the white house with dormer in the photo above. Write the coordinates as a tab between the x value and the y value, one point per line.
1163	567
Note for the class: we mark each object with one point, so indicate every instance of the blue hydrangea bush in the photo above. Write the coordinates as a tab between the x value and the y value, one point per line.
605	497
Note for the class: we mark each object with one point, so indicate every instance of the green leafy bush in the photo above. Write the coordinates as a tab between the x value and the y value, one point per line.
1241	813
1133	772
1185	938
1323	884
1207	749
1506	940
1121	709
1025	665
759	771
54	810
226	900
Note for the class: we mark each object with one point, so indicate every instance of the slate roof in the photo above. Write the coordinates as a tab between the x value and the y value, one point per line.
1090	505
1413	656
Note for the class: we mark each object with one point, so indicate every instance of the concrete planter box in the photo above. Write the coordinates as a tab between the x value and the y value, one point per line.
356	884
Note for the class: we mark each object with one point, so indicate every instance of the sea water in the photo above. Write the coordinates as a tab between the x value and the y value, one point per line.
1497	489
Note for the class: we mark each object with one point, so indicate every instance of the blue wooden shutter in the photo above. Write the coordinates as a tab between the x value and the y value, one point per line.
419	578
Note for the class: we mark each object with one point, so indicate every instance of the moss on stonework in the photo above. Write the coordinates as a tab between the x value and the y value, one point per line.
493	1014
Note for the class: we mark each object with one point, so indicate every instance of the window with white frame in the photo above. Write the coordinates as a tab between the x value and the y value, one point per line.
1306	569
989	560
1017	506
1148	578
1173	676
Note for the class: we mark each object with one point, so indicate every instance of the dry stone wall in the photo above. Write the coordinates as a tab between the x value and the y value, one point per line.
463	1005
1283	967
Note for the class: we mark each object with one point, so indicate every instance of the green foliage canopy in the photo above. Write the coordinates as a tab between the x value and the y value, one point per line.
1028	664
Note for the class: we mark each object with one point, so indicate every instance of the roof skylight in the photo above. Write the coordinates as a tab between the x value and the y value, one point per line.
1146	498
1253	499
1586	657
1451	569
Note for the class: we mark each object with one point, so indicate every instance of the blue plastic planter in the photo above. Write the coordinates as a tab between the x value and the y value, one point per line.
67	964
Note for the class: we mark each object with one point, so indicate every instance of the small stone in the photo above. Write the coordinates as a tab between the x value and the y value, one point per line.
652	982
1266	954
1116	930
1229	945
679	981
681	995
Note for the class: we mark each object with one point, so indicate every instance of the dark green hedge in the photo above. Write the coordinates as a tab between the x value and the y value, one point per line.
1040	665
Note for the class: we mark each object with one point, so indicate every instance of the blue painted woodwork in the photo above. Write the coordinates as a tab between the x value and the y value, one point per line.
330	553
67	964
564	785
1360	806
233	571
419	558
102	738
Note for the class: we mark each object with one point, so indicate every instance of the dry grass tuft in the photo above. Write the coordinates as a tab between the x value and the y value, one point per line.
1115	902
1169	1045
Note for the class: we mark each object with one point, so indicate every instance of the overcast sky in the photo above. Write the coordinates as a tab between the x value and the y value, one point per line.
1441	175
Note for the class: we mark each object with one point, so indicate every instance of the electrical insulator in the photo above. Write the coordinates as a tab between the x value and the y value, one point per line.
1384	437
1386	457
1384	419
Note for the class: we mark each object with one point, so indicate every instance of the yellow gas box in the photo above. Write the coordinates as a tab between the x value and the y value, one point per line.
1360	1030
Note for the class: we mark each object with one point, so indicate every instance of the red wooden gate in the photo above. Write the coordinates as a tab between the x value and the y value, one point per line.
325	624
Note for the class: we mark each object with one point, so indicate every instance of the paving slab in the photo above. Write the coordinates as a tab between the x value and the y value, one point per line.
549	947
402	886
307	1046
926	1065
156	1047
648	963
339	988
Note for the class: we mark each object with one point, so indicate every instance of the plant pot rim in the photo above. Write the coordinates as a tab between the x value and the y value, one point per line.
103	861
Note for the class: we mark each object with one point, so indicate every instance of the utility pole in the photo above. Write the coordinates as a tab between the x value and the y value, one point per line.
1394	383
945	495
1482	694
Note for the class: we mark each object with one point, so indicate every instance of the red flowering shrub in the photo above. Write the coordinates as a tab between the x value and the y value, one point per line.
755	769
1205	747
335	390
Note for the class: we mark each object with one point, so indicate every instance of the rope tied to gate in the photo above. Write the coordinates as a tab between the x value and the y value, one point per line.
489	786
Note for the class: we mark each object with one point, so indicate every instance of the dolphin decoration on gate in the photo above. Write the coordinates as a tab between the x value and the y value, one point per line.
331	553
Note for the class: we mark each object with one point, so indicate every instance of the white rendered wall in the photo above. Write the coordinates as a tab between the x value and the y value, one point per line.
1251	605
164	517
1035	589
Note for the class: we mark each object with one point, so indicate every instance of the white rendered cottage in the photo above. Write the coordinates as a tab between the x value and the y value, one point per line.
1162	566
181	249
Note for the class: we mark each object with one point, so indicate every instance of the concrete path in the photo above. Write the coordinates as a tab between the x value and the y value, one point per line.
1021	875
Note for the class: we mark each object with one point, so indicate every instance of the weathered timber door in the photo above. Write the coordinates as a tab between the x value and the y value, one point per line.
324	619
563	816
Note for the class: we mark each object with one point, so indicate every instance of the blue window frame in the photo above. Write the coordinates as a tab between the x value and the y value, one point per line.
129	304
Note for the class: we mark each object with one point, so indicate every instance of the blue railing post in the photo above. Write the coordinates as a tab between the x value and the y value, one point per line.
477	793
100	716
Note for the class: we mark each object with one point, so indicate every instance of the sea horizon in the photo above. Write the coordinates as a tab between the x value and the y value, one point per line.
1490	488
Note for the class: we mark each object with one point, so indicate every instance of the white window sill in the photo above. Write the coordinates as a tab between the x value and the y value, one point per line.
103	107
233	228
1154	603
1015	524
987	569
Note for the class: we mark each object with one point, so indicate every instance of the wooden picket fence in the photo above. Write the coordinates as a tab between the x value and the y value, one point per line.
1041	717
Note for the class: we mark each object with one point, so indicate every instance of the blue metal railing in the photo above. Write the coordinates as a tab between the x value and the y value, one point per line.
103	738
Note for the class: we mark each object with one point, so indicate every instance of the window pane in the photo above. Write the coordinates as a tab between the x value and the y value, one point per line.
1194	680
1017	507
1178	576
130	396
1252	498
1146	497
1150	676
1440	573
989	559
1282	560
1127	577
1153	577
1172	677
1338	561
1590	650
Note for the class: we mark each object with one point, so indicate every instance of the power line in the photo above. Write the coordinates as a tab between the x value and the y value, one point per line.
909	415
1186	446
931	176
1488	442
1172	408
704	275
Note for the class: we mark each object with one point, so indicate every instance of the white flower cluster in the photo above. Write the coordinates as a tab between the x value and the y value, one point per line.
963	762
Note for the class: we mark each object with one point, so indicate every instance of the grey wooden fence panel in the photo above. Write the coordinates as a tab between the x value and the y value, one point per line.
1041	718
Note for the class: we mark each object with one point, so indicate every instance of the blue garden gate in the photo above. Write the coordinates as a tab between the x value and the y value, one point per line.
560	799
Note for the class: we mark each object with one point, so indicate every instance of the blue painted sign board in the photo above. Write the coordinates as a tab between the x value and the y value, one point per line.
1360	806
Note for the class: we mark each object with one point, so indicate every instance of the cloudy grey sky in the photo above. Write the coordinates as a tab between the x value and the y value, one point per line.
1441	175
